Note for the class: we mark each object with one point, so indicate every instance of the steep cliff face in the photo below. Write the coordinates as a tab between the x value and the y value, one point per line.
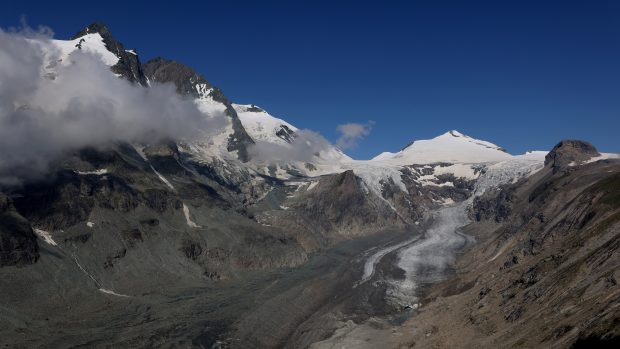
545	269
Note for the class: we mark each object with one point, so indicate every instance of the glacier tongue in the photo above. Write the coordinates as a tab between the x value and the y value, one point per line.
426	260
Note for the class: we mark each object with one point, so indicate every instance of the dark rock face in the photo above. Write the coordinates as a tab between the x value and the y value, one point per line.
569	151
458	189
343	193
18	243
61	202
190	83
128	65
492	205
338	208
286	134
255	109
186	79
192	250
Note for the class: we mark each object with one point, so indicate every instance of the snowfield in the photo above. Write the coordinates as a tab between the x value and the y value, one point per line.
46	236
188	219
452	147
59	50
260	125
603	156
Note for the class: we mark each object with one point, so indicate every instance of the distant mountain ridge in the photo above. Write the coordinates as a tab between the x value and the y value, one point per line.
189	82
451	146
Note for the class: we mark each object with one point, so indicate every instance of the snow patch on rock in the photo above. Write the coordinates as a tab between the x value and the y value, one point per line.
59	50
188	219
260	125
98	172
46	236
110	292
603	156
162	178
312	185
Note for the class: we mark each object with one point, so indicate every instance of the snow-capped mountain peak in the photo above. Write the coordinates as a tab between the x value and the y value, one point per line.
57	52
91	43
262	126
456	134
95	39
452	146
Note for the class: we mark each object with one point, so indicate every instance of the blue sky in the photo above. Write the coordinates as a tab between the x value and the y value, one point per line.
522	74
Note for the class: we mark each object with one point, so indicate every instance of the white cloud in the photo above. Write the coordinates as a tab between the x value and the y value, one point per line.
304	148
352	133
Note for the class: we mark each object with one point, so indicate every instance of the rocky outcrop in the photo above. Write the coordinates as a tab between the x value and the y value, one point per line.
187	81
18	243
569	152
494	204
338	207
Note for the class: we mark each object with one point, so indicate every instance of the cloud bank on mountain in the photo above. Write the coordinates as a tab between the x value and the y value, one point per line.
49	108
306	145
